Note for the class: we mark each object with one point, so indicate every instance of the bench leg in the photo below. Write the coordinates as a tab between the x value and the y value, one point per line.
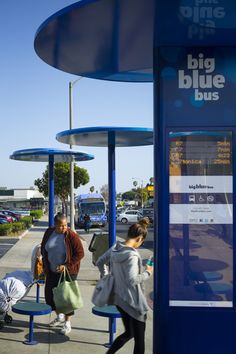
112	331
37	292
31	340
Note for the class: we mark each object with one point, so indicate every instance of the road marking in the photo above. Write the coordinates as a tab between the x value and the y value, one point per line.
7	244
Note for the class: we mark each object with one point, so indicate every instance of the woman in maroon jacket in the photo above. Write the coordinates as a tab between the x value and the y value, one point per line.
61	247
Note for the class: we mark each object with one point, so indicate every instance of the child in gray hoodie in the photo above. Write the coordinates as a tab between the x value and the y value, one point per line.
126	266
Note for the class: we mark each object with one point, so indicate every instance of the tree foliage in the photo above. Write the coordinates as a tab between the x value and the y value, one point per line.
136	194
142	194
62	180
129	195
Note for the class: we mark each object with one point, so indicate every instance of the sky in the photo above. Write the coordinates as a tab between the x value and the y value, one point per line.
34	105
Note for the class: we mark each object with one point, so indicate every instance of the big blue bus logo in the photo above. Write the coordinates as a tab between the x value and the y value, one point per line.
201	77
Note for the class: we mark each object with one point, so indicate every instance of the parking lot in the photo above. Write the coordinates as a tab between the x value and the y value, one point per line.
6	244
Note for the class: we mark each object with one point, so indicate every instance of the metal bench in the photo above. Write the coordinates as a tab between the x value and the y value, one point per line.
111	312
205	276
31	309
210	289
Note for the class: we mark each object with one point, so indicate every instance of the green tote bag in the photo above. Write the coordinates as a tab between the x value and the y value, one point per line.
66	295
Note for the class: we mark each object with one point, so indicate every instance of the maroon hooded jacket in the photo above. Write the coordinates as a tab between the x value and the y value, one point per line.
74	251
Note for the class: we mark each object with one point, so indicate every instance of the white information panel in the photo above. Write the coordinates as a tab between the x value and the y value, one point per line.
201	218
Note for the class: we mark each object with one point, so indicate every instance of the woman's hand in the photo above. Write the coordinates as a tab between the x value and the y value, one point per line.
149	269
60	268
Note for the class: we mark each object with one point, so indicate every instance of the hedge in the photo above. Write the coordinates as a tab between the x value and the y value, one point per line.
17	226
5	229
27	221
36	214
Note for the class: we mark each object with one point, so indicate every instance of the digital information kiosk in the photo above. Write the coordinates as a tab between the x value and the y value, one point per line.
195	119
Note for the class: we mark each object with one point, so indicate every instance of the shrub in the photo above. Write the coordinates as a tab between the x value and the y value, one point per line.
36	214
17	226
27	221
5	229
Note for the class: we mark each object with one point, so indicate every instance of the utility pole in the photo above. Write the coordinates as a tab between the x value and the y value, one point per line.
72	205
135	183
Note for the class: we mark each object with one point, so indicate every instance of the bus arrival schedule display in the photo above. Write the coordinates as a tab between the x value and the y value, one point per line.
200	182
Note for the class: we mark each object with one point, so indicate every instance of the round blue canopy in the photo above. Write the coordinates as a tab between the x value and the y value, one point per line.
101	39
114	39
42	154
105	136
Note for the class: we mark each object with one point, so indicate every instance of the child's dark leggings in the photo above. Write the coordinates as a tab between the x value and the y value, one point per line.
133	329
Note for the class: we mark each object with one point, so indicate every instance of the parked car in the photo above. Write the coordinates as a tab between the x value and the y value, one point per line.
21	213
3	221
128	216
6	217
146	213
120	211
14	216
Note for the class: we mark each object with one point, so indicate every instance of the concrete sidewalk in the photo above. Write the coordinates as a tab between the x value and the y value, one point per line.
89	332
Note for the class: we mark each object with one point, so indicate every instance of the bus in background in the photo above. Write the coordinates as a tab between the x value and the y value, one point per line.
92	204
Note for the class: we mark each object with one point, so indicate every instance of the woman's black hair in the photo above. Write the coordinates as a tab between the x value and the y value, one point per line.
138	229
59	217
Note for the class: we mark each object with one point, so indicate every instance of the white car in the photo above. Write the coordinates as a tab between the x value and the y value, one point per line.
128	216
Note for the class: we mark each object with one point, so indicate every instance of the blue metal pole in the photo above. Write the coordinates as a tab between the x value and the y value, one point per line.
37	292
161	241
51	190
112	330
31	329
112	188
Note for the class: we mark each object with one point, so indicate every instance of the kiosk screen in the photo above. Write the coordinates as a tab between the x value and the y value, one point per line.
200	218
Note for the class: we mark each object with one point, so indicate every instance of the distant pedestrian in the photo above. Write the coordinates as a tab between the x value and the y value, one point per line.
87	223
61	247
128	294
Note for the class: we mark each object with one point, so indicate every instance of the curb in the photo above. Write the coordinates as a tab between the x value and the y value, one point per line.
25	232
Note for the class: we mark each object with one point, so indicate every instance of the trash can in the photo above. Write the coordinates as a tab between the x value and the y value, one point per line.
99	245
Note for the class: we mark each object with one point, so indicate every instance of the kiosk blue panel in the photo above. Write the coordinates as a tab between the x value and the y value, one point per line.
198	85
195	23
194	75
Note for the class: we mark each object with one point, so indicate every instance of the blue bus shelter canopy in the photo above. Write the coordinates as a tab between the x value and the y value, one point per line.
101	39
114	39
105	136
42	155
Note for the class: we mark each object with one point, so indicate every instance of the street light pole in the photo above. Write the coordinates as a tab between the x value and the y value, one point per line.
72	206
142	193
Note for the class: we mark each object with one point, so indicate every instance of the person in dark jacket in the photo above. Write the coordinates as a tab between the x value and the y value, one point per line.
61	247
87	223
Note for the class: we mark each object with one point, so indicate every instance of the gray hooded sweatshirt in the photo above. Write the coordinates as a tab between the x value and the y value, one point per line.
126	266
